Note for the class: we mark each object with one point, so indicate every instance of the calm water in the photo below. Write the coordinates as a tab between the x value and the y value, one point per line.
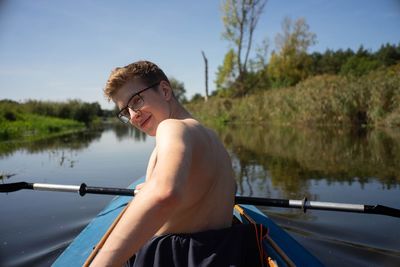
326	164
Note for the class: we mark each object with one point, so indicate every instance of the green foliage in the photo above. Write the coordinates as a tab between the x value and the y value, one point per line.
36	119
240	19
360	63
329	62
388	54
352	63
214	111
226	73
178	89
358	66
291	64
289	69
325	99
372	99
72	109
32	127
197	98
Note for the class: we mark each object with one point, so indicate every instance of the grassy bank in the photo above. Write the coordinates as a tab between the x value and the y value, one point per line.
18	125
372	100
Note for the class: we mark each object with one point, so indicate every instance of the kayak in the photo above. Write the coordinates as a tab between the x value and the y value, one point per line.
281	248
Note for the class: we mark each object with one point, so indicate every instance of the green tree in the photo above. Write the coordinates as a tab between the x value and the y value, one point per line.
362	62
388	54
260	61
227	72
240	18
196	98
359	65
178	89
330	62
291	63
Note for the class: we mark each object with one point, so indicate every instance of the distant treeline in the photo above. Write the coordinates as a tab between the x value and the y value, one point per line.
348	62
290	66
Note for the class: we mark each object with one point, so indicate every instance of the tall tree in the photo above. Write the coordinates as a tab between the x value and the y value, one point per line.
240	18
290	63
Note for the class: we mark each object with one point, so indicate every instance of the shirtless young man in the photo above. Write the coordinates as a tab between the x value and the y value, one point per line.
189	185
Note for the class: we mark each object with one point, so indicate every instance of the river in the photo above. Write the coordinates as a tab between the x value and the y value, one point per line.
326	164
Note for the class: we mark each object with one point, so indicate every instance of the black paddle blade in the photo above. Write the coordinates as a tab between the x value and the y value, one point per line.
380	209
7	188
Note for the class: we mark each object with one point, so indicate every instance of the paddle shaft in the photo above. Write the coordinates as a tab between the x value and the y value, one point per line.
317	205
304	204
82	189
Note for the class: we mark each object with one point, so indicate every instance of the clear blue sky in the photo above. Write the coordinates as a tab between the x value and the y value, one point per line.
59	50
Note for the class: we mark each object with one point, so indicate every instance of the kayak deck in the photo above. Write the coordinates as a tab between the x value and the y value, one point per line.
82	246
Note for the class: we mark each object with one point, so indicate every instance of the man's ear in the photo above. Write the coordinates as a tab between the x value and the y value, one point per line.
166	90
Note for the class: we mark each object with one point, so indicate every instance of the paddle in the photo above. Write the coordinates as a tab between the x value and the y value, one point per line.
271	202
304	204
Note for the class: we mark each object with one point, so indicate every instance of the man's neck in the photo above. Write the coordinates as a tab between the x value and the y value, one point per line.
179	112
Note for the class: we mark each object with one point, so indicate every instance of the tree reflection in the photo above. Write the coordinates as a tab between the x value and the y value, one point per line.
124	131
64	149
292	157
75	141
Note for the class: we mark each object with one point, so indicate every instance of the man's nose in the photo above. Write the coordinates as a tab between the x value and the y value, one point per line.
133	114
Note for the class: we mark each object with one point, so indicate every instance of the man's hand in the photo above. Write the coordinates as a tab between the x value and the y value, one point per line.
138	187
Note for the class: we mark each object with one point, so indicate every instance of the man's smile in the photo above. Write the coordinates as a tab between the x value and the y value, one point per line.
144	122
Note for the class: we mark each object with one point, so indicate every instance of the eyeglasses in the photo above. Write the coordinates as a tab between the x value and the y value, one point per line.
135	103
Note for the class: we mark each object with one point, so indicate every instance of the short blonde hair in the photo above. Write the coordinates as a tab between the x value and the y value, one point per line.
148	72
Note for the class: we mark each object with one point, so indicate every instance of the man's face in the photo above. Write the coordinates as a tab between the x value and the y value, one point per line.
143	106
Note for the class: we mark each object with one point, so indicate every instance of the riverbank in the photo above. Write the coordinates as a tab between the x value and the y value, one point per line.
31	127
33	120
370	100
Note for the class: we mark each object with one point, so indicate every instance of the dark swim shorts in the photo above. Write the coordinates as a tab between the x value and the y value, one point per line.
234	246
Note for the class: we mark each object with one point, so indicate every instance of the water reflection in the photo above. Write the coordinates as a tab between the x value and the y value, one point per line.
292	157
63	150
75	142
123	131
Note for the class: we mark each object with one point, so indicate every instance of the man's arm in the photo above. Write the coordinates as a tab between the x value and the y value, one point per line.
157	199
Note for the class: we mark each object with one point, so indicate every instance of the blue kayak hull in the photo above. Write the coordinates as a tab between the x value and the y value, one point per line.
82	246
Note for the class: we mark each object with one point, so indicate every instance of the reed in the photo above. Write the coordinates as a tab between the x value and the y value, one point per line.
369	100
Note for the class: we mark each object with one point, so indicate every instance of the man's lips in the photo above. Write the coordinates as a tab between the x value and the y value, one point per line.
142	124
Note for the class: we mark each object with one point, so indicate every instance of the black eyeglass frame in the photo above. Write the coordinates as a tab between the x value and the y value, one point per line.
120	116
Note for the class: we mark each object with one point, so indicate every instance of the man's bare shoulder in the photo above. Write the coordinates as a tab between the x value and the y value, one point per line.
179	122
170	127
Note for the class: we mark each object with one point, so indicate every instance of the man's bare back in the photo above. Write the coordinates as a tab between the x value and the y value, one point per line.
189	184
208	198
